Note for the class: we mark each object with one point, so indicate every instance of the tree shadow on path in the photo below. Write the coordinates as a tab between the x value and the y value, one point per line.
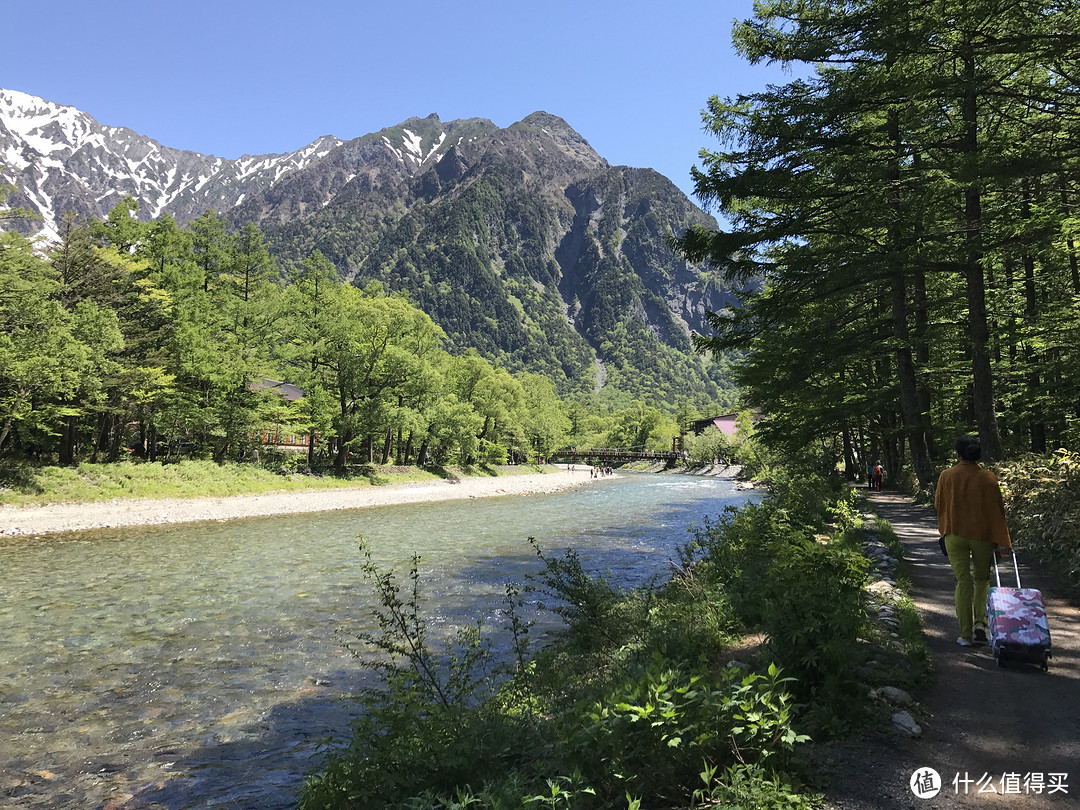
980	722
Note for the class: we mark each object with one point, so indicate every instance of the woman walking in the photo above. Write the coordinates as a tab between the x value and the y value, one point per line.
971	519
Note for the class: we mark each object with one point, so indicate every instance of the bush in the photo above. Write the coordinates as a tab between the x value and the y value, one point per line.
1042	500
805	595
433	727
598	613
649	735
751	787
813	612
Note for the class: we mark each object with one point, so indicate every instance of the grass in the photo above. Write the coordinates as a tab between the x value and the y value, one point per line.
30	485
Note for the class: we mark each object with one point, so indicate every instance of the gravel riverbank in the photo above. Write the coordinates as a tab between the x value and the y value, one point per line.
37	520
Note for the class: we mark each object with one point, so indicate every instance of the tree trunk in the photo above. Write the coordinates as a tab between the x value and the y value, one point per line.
1074	266
101	444
905	367
849	454
922	356
342	455
978	331
1035	383
116	437
67	439
387	445
1036	424
19	400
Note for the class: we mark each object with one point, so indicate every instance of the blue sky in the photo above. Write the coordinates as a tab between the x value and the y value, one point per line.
234	76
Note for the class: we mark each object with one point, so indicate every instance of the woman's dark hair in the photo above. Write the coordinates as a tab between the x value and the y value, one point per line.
969	448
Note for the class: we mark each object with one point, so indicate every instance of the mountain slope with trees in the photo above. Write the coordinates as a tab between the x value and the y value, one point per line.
521	242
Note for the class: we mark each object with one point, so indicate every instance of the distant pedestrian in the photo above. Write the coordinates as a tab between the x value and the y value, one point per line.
971	520
879	474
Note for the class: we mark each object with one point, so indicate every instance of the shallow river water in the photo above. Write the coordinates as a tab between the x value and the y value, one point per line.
201	665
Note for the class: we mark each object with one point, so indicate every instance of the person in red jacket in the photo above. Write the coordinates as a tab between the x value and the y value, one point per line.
971	519
879	473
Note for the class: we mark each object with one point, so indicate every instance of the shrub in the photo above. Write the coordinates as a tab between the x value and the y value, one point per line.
813	612
598	612
751	787
626	710
432	728
1042	499
649	735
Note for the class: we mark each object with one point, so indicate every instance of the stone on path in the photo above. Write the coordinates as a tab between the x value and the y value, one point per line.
905	724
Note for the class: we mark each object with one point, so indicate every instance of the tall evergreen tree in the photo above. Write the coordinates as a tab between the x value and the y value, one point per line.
858	181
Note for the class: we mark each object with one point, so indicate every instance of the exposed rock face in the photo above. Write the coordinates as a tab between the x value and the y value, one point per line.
60	159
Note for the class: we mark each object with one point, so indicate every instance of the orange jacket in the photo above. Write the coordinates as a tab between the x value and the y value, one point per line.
968	502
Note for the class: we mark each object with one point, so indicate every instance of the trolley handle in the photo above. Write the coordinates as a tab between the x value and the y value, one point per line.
1016	568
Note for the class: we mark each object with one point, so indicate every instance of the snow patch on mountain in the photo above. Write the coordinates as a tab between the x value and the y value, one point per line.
60	159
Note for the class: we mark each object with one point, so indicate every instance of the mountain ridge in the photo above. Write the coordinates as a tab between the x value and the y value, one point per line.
62	159
521	241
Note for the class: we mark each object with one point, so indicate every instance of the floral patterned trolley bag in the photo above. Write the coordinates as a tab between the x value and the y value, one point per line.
1017	623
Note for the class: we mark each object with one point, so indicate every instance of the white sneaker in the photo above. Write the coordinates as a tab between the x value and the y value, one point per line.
979	633
963	642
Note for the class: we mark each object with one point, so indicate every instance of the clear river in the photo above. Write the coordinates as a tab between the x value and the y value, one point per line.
201	665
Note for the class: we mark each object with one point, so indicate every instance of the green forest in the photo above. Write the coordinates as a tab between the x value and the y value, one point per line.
156	342
910	197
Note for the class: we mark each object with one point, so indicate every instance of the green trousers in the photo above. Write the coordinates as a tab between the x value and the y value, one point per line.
970	561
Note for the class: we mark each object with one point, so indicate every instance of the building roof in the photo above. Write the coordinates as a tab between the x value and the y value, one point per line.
288	391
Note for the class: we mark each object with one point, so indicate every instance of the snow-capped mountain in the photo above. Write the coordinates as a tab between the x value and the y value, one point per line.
60	159
521	241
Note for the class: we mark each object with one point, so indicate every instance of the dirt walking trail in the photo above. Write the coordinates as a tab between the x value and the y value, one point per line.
978	720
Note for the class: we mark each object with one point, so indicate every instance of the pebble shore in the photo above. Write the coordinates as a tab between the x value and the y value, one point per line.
56	518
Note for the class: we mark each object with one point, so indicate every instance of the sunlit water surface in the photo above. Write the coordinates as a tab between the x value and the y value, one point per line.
201	665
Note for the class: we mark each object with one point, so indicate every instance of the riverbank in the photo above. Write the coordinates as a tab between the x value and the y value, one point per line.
69	517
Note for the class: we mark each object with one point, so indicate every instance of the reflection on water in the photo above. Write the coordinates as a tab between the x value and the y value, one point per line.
200	665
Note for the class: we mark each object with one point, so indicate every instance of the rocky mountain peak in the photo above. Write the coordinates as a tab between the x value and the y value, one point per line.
60	159
569	142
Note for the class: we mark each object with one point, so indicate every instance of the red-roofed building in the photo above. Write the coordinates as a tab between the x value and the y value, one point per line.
726	423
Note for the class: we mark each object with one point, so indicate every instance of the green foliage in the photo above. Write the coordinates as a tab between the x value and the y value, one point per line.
1042	500
708	446
777	575
910	209
813	612
737	551
174	343
751	787
431	729
650	733
594	608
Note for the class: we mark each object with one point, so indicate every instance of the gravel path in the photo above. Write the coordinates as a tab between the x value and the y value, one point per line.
978	720
36	520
